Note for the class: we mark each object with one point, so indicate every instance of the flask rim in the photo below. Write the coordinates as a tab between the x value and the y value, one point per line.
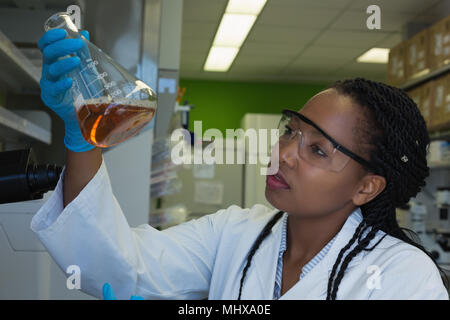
54	17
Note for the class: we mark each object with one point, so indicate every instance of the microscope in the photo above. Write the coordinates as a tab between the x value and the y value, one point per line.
21	178
27	271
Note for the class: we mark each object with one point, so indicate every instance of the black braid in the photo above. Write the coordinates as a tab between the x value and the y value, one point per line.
358	230
395	128
258	241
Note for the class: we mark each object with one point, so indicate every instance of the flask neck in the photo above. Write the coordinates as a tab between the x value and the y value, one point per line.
62	20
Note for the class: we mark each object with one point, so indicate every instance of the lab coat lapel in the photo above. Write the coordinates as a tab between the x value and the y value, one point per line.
261	280
314	284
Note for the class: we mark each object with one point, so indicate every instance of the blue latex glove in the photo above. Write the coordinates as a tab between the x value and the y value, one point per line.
55	83
108	293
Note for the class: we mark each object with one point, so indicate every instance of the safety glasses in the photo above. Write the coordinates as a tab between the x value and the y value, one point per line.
315	146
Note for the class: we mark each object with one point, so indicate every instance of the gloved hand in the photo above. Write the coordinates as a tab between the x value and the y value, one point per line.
108	293
55	84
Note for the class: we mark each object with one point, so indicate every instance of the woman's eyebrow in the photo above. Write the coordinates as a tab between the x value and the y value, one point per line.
316	132
311	128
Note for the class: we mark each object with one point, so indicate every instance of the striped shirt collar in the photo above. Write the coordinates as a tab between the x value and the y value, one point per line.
306	268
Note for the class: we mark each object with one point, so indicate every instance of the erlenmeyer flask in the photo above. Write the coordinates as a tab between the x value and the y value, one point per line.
111	104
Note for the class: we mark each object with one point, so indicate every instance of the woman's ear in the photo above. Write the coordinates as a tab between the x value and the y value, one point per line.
370	186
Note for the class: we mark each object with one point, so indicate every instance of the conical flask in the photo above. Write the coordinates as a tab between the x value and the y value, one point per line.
111	104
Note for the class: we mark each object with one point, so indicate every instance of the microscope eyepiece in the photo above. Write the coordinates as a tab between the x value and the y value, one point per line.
43	177
22	179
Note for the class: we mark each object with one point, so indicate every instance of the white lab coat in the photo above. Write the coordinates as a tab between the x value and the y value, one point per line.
204	258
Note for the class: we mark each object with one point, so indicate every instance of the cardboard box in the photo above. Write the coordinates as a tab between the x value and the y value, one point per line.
417	55
438	102
427	101
445	114
416	95
440	43
396	72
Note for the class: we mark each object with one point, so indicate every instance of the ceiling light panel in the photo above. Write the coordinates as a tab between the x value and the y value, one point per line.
233	29
220	58
374	55
245	6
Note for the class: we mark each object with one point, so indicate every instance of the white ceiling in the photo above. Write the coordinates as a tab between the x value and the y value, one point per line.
302	40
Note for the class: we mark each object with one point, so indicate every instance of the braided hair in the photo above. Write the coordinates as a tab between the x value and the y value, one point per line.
394	135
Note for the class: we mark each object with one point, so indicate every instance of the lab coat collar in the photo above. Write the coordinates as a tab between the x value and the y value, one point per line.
318	276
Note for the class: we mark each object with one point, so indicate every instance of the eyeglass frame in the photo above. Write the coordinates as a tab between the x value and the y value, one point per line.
336	144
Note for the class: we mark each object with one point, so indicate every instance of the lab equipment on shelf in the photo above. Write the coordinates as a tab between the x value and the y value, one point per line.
164	179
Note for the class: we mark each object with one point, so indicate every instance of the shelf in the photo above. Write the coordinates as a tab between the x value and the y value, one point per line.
15	127
17	73
419	80
439	166
440	134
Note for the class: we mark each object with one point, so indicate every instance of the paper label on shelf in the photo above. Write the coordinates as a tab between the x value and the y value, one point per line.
421	54
439	96
412	54
447	38
203	171
446	51
438	44
209	192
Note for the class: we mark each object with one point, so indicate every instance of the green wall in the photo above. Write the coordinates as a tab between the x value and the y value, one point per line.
222	104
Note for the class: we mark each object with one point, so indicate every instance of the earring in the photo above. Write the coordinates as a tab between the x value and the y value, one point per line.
404	158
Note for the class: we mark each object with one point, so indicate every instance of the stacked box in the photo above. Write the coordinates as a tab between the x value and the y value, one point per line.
427	101
440	44
438	99
396	74
416	95
445	113
417	55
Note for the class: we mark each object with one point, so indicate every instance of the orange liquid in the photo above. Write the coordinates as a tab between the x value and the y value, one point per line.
105	125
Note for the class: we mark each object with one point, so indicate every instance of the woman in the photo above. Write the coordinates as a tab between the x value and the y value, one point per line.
351	155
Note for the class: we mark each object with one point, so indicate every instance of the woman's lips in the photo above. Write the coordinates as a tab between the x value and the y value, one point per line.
276	181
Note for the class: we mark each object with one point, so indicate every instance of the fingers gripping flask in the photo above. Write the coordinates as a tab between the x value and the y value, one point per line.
111	104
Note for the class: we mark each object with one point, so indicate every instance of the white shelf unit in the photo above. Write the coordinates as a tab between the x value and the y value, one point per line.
440	135
439	166
17	73
15	126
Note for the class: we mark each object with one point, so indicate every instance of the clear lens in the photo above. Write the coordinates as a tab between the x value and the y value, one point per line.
313	146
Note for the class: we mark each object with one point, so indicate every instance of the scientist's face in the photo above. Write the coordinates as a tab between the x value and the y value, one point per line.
306	190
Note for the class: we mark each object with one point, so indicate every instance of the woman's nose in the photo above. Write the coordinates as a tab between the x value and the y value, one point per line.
289	153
